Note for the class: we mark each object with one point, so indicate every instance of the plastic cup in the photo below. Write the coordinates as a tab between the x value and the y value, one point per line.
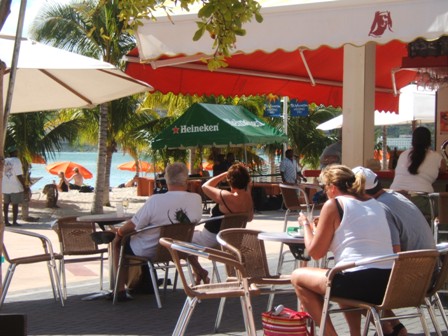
120	211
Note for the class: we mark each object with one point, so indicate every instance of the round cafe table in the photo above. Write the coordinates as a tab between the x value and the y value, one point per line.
296	244
101	220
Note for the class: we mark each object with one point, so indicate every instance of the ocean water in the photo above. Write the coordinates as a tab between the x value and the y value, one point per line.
88	160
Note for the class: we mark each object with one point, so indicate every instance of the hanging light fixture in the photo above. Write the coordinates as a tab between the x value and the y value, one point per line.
429	59
431	78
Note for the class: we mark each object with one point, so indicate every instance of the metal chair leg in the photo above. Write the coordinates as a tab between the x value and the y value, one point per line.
432	315
184	317
54	277
152	271
438	302
7	282
118	275
222	303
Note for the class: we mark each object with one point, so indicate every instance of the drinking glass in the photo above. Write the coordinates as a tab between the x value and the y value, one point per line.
125	203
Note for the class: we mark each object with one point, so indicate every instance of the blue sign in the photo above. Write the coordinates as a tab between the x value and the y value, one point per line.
273	108
298	108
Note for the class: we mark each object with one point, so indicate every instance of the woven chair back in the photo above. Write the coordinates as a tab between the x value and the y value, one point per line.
410	279
75	236
290	197
180	231
234	220
249	250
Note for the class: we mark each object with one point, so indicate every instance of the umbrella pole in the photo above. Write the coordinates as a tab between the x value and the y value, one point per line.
6	110
384	163
15	59
285	122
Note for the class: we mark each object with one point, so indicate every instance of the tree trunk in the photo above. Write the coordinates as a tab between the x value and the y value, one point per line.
97	206
272	167
25	206
25	211
5	9
109	152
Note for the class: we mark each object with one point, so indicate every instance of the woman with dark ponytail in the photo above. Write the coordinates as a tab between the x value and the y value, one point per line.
418	167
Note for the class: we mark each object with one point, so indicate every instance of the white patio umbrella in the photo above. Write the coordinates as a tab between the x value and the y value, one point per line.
49	78
414	106
381	118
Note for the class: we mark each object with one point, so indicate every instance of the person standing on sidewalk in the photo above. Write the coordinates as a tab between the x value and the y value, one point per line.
290	170
13	186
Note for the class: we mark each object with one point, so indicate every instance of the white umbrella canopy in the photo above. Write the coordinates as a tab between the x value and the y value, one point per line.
414	105
381	118
49	78
293	24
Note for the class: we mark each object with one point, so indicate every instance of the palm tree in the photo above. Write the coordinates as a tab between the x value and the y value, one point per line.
306	140
92	30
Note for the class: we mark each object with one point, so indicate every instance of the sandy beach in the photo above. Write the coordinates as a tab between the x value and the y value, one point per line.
74	203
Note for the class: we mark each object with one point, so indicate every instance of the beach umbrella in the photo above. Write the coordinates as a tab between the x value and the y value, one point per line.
143	166
207	165
49	78
67	167
414	106
38	159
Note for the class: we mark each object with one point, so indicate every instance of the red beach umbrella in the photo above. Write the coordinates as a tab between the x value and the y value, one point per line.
144	166
67	168
38	159
207	165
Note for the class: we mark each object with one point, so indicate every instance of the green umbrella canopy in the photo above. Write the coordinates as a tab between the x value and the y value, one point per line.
217	125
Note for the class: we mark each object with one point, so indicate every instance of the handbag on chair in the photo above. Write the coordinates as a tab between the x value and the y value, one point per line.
284	321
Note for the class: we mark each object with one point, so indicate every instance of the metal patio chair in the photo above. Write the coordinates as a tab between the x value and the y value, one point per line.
408	286
250	251
77	246
195	293
432	299
228	221
48	256
162	258
291	195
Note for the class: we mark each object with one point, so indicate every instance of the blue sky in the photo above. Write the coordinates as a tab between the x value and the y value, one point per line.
32	8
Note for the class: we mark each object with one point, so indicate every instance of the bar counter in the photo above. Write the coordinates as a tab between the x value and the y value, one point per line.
387	176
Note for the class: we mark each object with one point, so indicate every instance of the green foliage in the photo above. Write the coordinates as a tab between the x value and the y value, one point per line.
84	27
305	139
38	134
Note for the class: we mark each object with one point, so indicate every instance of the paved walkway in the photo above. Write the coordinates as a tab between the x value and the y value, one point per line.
30	294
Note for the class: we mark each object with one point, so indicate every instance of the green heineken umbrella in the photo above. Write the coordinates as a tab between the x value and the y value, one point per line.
217	125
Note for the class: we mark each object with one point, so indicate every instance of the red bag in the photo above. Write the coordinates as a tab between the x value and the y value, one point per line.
288	322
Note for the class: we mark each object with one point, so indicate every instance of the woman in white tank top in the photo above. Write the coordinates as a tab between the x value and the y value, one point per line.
352	225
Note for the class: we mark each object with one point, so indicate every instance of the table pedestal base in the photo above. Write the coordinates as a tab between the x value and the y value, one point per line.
299	251
105	294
